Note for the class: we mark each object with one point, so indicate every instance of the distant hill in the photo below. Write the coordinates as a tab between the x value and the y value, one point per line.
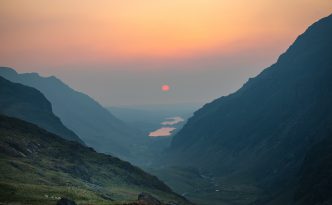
96	126
261	134
38	167
29	104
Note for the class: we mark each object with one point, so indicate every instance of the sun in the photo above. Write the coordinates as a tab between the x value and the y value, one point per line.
165	88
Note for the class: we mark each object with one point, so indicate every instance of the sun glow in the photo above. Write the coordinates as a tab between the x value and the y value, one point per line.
165	88
104	30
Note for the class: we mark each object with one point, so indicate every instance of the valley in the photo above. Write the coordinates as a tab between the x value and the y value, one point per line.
254	141
164	141
206	189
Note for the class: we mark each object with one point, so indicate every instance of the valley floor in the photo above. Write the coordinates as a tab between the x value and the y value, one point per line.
206	189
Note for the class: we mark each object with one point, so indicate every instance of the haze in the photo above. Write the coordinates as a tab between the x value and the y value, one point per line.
122	52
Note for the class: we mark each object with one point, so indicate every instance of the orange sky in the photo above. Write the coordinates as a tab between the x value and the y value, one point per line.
102	30
127	49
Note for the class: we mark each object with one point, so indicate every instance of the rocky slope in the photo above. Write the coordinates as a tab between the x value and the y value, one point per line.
37	167
260	134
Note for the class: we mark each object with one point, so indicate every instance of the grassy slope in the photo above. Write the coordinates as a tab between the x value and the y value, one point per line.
206	189
36	167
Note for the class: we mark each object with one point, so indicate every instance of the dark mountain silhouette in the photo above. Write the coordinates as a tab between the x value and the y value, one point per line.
315	183
38	167
29	104
261	133
96	126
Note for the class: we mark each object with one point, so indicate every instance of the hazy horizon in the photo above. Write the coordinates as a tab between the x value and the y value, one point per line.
121	54
207	102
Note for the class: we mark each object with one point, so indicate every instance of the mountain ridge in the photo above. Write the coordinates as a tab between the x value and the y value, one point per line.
29	104
261	133
96	126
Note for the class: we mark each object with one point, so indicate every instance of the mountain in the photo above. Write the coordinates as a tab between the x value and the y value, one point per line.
315	184
29	104
260	134
38	167
96	126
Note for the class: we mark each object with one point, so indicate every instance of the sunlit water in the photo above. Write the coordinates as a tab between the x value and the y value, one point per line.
166	130
172	120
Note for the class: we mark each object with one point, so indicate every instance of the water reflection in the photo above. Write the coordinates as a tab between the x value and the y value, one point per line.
165	130
162	132
172	120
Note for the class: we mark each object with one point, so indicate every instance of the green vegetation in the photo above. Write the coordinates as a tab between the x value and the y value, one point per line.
37	167
205	189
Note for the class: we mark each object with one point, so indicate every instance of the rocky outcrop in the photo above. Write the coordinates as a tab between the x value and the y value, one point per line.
148	199
65	201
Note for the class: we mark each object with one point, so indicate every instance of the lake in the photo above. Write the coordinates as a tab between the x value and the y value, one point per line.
167	127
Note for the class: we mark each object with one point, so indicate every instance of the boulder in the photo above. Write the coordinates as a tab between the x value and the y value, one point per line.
65	201
148	199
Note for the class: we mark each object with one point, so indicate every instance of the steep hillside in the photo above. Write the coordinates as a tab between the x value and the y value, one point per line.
96	126
315	184
261	133
37	167
29	104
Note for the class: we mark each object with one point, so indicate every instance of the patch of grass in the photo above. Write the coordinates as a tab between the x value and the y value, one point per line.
205	189
37	167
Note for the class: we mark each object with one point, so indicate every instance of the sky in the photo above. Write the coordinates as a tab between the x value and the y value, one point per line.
121	52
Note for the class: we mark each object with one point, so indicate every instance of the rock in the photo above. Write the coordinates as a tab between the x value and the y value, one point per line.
148	199
107	197
171	203
65	201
